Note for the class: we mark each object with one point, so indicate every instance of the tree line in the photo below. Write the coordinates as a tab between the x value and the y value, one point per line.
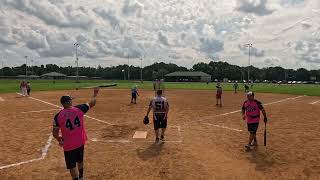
218	70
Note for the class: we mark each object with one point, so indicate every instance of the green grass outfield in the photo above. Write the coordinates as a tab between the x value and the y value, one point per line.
7	86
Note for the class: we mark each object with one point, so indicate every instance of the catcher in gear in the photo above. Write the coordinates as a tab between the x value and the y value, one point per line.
160	107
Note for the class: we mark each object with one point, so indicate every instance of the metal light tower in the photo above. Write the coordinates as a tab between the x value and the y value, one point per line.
2	68
26	66
141	71
249	45
128	67
77	45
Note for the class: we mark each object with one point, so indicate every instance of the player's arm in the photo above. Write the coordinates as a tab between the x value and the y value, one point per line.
149	109
263	111
167	110
56	130
93	100
243	112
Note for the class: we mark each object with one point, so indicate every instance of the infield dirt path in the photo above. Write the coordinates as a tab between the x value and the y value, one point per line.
201	145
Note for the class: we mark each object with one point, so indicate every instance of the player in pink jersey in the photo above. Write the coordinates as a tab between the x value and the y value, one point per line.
71	124
251	112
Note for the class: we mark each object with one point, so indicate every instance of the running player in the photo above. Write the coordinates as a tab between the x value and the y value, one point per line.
160	107
219	96
71	123
251	112
28	88
134	94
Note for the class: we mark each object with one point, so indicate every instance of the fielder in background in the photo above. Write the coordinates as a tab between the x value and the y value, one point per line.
246	88
28	88
158	85
235	86
24	87
251	113
134	94
160	107
70	121
219	95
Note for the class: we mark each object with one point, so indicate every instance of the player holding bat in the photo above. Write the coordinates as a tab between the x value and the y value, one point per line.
251	112
70	120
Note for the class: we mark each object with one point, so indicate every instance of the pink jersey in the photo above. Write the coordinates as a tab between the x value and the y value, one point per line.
71	123
252	110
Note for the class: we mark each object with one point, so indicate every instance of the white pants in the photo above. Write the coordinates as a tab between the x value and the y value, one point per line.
24	92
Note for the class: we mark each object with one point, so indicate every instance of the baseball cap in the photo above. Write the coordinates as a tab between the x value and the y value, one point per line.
250	93
66	99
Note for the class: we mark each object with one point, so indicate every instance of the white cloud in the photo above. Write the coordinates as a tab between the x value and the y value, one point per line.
257	7
108	29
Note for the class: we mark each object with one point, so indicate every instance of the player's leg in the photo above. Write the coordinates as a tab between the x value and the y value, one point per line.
80	162
131	98
255	142
156	125
251	136
163	127
71	162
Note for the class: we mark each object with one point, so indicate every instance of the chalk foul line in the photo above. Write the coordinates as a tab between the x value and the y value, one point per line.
45	150
45	102
225	114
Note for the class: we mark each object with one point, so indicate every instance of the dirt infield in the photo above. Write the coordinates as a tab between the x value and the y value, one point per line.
203	141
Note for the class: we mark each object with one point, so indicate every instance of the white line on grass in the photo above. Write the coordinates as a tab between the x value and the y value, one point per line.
26	112
43	155
61	108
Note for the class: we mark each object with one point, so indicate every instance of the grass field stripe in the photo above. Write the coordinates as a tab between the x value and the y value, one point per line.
43	155
61	108
224	127
48	110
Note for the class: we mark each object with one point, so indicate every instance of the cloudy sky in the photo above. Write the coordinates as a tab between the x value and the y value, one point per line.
283	32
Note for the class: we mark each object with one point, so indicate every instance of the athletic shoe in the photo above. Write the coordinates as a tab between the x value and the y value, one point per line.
255	143
162	138
157	140
247	147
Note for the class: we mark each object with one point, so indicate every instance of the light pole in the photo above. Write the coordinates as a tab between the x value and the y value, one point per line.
141	71
32	65
26	67
249	45
128	67
2	68
124	74
77	45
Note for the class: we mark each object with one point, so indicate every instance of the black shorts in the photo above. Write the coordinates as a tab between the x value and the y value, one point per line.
134	96
159	121
253	127
73	157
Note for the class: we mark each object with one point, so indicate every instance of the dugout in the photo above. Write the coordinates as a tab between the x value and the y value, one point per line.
188	76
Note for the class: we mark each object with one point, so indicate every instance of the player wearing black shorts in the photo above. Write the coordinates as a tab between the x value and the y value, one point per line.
160	107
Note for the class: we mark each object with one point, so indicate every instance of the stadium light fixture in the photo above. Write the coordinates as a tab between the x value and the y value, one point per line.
249	45
77	45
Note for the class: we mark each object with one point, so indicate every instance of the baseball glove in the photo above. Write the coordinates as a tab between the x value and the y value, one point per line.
146	120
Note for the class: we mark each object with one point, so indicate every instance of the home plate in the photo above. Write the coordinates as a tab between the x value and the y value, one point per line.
140	135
